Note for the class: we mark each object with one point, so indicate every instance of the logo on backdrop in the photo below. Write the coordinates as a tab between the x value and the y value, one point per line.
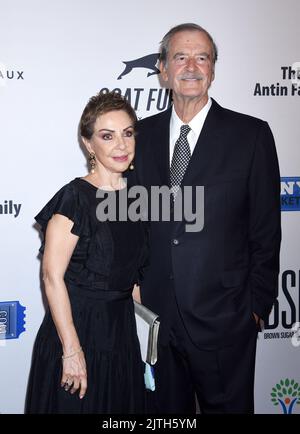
149	62
12	319
10	208
289	85
286	393
143	99
285	316
9	74
290	193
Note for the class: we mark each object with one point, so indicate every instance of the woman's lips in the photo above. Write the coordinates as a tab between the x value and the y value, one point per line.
121	159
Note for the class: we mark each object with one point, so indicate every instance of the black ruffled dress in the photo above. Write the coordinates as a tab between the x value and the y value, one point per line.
105	264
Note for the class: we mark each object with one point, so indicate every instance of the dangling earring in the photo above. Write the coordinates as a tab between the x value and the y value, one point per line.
131	167
92	160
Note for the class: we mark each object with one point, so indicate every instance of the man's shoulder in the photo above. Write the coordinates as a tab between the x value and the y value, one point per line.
151	121
236	117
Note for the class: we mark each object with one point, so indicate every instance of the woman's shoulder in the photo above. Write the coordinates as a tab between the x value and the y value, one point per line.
70	187
71	200
78	188
67	193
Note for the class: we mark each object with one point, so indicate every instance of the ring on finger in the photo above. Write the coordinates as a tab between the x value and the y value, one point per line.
68	383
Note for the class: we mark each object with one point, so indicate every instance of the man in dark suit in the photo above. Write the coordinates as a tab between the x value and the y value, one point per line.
210	287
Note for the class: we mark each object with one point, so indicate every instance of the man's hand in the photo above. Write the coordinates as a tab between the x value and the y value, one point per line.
136	293
256	317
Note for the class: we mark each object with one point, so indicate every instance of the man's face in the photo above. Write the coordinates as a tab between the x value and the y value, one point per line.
189	69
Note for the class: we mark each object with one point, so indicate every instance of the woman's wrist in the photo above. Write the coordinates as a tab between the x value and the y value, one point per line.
67	355
70	345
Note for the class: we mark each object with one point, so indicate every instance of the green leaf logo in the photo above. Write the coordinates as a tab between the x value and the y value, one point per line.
286	393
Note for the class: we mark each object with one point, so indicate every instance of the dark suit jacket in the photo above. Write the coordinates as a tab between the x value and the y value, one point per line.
230	269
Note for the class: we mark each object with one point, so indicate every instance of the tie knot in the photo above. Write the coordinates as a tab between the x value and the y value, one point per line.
184	130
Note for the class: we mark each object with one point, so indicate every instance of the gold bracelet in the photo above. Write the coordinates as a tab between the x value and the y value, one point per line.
72	354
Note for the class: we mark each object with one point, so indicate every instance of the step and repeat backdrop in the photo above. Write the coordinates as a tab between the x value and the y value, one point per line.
53	57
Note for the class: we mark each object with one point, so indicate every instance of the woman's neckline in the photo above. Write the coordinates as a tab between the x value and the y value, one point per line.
97	188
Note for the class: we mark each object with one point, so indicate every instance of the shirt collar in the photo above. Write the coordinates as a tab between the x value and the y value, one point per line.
196	123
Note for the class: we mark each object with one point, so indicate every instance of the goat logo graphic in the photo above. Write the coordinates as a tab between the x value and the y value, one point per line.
148	62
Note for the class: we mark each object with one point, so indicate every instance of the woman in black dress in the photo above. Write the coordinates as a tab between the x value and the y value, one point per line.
86	357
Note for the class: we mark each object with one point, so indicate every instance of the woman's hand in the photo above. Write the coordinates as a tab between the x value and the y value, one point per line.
74	375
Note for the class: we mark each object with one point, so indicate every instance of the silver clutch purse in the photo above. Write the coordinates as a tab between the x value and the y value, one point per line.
147	324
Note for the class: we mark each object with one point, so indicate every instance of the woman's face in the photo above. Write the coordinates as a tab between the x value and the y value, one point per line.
112	142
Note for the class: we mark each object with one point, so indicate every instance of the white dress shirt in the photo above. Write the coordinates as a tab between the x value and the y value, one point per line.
195	124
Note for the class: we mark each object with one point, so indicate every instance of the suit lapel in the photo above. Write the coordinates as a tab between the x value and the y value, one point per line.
160	142
199	168
199	163
207	141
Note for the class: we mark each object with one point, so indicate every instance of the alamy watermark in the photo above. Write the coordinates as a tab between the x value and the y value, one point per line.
160	203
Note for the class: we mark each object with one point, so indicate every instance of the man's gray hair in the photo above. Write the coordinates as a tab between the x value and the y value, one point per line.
164	45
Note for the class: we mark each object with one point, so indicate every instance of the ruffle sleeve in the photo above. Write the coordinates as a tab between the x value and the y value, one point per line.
69	203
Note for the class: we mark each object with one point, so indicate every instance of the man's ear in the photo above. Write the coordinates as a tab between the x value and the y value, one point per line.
163	71
213	75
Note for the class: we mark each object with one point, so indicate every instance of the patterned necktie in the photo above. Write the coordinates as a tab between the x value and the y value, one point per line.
180	160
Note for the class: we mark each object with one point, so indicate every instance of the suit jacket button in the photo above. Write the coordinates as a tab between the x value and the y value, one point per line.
175	242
